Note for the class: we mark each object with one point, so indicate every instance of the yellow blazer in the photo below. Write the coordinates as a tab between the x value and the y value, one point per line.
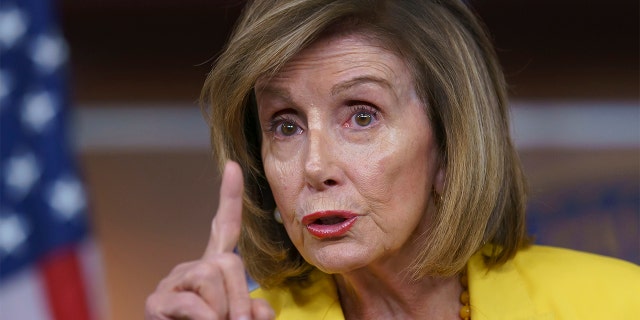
539	283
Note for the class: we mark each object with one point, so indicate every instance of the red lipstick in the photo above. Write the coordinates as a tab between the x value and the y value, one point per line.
329	224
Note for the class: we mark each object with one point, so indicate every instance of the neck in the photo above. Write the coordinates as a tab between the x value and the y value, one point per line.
384	293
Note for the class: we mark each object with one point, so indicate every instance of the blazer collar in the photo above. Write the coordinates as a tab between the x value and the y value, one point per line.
499	293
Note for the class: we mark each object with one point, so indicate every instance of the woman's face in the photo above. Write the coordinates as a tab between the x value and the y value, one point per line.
349	153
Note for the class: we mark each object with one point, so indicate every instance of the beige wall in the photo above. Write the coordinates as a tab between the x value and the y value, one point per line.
150	211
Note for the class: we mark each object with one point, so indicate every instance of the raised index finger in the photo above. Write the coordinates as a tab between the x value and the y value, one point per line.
225	227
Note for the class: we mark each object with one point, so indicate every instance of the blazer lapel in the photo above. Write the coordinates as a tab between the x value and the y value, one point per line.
499	293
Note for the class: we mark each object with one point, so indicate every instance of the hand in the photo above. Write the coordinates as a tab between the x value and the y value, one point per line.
215	286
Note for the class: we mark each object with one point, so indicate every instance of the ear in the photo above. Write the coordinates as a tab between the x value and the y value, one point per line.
440	179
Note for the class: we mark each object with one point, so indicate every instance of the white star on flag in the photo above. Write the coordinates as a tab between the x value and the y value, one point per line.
67	198
38	110
13	26
48	52
20	173
13	233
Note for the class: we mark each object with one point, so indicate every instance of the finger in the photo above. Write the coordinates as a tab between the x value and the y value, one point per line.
178	305
153	307
261	310
203	278
206	280
236	285
171	281
225	226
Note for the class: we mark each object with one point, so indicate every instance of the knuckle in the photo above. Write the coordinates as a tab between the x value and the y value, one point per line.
150	303
261	310
203	270
179	268
153	306
231	260
168	283
164	284
185	303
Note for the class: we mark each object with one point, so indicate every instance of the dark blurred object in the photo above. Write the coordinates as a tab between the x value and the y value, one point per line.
162	50
585	199
566	50
601	217
145	50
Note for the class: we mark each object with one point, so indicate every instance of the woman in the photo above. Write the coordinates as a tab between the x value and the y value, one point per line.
379	175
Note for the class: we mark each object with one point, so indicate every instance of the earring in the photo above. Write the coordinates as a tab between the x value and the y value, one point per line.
277	216
437	198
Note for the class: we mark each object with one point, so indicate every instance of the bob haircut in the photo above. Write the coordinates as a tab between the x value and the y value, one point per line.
460	82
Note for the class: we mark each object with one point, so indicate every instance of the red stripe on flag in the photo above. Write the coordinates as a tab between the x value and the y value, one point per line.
65	286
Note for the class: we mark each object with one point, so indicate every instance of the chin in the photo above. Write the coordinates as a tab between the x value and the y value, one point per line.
338	257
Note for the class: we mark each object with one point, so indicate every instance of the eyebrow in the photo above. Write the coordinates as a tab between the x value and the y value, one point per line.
335	90
340	87
276	91
281	93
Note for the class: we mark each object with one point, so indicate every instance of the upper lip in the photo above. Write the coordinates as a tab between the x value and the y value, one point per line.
313	217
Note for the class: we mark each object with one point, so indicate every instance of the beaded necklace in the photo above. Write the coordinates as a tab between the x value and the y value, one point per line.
465	310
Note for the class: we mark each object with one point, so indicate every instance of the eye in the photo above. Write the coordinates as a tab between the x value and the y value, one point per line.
284	126
287	128
362	116
362	119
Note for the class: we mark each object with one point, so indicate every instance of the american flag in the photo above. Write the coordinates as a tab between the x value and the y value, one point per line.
47	259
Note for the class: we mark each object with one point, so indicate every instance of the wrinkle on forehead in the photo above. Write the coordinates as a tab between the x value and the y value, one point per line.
357	50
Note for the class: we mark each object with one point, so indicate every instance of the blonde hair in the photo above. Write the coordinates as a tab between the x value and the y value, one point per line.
457	76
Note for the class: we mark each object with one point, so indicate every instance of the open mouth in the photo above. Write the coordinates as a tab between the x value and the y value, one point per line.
329	220
329	224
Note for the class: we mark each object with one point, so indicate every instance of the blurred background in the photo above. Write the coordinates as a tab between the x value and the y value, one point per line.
136	69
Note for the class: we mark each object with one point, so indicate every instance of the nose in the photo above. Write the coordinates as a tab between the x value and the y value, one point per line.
321	170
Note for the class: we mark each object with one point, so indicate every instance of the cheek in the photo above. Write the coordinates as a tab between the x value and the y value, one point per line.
374	171
396	170
283	178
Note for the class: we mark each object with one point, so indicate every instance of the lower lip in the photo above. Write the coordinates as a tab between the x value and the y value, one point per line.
326	231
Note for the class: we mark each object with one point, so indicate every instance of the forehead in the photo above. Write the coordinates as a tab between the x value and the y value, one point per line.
342	55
